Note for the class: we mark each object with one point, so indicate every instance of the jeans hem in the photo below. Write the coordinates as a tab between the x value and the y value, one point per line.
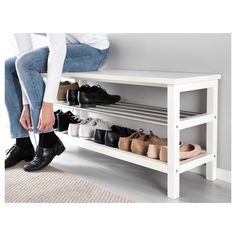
19	136
40	132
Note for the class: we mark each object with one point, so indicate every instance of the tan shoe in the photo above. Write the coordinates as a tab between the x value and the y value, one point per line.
140	146
125	142
63	87
186	151
155	145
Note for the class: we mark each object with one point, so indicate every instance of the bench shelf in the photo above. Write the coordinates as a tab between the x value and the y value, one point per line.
171	117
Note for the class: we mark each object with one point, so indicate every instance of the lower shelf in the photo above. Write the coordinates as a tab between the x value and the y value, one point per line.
144	161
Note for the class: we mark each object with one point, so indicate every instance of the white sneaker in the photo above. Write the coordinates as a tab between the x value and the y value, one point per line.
73	129
87	130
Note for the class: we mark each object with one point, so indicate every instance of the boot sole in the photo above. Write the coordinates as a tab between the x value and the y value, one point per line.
60	151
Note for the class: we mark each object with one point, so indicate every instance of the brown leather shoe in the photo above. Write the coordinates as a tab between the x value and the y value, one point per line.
186	151
125	142
63	87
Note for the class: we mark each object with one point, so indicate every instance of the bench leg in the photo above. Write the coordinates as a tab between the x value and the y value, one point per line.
173	141
211	141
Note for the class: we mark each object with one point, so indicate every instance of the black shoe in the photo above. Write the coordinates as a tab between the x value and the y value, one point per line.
55	126
112	139
16	154
44	156
72	97
65	119
123	131
99	136
92	96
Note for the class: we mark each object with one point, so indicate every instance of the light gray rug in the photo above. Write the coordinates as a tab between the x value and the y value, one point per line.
53	186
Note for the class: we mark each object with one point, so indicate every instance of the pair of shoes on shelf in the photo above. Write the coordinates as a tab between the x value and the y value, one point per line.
87	127
87	96
139	142
62	120
73	129
64	87
111	137
186	151
87	130
95	95
125	142
159	150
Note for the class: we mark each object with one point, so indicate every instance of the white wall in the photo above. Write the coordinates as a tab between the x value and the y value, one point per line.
209	53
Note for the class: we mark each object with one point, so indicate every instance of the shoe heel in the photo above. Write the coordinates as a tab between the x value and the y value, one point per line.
60	150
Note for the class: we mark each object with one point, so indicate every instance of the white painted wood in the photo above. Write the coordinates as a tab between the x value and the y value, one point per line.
123	155
194	162
223	175
175	83
173	141
146	78
211	141
196	85
195	120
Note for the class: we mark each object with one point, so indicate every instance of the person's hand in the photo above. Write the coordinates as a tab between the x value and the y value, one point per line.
46	117
25	118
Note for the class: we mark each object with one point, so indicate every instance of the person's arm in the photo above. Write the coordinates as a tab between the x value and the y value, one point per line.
57	54
23	44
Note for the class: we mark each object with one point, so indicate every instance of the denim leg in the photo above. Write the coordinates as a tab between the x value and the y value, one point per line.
29	67
82	58
13	99
79	57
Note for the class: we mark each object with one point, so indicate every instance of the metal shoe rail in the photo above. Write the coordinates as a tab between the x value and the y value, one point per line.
171	117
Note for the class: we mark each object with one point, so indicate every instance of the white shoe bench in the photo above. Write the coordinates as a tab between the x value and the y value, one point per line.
172	117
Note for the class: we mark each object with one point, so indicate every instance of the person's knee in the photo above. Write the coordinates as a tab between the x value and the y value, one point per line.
10	65
23	62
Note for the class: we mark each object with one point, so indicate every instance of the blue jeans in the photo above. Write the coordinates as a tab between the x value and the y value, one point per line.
79	58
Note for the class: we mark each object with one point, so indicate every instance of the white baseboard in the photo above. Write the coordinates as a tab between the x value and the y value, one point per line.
223	175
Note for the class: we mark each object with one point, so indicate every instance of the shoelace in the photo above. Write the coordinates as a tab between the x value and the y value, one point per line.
73	117
10	149
99	89
76	118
